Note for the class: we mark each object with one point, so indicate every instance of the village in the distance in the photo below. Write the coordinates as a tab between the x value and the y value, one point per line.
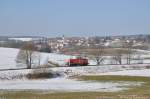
67	44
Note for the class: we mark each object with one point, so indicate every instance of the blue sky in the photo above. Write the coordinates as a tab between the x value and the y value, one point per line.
74	17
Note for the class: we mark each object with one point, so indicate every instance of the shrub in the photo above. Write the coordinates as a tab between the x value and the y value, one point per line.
42	73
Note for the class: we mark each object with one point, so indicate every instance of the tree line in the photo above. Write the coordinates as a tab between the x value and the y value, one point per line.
125	53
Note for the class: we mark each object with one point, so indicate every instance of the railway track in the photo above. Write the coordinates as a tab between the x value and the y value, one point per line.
145	65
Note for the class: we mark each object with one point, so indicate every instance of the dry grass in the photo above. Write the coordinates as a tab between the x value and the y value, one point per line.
141	92
71	95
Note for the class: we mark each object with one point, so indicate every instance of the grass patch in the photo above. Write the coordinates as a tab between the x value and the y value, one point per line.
72	95
115	78
144	89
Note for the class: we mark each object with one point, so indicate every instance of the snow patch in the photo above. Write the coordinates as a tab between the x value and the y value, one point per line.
21	39
63	84
144	72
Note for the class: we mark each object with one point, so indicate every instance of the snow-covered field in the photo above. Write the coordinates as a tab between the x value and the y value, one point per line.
10	80
15	79
63	84
8	57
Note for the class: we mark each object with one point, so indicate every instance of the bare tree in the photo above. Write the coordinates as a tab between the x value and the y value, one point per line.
129	51
139	58
100	55
39	58
118	56
26	54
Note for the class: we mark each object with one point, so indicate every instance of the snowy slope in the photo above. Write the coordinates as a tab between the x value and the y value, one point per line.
15	80
8	57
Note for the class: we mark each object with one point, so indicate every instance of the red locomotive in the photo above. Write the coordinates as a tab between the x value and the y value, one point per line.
77	62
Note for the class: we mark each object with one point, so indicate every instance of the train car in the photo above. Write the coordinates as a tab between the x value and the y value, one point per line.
77	62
